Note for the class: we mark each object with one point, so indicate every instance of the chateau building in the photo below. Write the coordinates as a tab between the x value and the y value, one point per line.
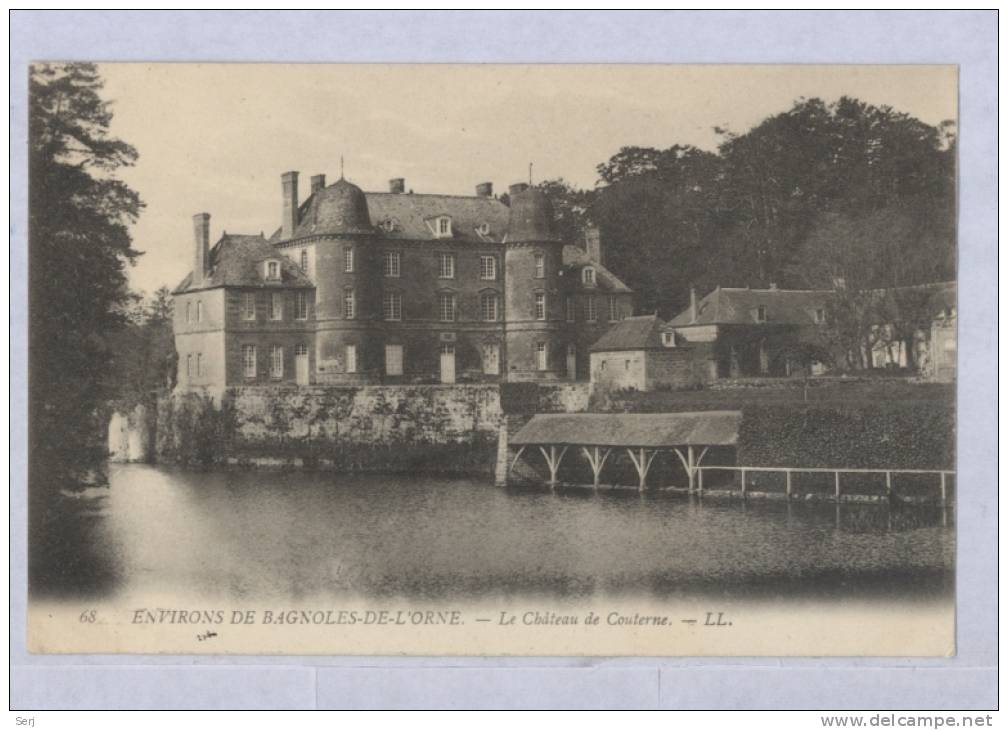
394	287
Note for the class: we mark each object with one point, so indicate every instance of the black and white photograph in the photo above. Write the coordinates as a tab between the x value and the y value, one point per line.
487	359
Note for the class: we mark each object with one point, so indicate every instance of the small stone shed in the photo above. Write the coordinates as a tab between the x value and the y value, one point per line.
636	354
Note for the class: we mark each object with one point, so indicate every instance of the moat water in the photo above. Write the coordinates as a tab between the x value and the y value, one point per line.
260	535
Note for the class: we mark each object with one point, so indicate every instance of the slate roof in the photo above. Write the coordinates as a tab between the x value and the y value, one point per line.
236	260
650	430
575	259
632	333
409	214
738	306
785	306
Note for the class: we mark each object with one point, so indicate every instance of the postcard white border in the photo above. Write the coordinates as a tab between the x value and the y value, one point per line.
965	38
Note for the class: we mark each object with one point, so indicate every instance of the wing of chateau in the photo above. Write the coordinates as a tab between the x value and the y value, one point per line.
394	287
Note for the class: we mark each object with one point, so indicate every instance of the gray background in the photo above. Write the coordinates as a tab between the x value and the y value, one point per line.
967	681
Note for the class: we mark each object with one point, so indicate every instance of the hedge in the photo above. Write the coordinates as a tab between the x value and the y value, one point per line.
897	435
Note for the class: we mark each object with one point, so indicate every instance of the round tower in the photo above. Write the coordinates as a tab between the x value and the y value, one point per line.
533	306
347	279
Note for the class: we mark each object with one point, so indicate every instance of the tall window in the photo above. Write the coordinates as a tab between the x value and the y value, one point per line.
349	304
188	365
392	264
488	268
304	260
446	307
392	306
447	270
393	359
540	306
199	311
761	313
188	312
301	305
444	226
820	316
276	306
199	364
273	270
351	358
613	309
276	362
591	314
588	275
249	360
540	355
348	262
249	306
488	307
540	266
569	309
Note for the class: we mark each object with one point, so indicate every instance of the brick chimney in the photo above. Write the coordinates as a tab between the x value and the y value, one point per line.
593	245
484	189
518	188
317	183
289	183
201	247
397	185
692	305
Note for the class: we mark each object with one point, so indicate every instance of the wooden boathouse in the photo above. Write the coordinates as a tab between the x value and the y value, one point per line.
690	436
643	435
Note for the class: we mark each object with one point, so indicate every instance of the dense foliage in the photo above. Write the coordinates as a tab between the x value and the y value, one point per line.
893	435
79	247
819	195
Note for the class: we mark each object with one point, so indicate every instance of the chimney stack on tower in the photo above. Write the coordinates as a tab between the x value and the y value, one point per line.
201	236
484	190
317	183
518	188
289	183
593	245
397	185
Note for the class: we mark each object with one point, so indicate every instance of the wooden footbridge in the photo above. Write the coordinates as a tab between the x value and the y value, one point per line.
643	436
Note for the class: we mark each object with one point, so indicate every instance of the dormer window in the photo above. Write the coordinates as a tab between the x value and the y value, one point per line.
761	313
272	270
588	276
483	229
820	315
668	339
442	226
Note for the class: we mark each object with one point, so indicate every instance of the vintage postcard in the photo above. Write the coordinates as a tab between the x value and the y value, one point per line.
492	359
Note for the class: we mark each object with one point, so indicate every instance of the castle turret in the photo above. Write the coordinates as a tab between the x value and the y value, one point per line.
533	257
336	226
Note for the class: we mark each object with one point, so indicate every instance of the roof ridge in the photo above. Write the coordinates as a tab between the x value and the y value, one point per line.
433	195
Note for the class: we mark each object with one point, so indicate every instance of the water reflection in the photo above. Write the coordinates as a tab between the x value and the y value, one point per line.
266	535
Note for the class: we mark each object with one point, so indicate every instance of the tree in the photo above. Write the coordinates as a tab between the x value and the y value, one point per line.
660	218
570	208
79	246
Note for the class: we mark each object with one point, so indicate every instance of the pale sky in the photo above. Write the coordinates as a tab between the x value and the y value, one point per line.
216	137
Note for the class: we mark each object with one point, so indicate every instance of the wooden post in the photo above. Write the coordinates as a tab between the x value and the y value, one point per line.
699	481
596	461
521	450
836	485
743	484
553	461
643	464
690	468
943	493
787	483
888	485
